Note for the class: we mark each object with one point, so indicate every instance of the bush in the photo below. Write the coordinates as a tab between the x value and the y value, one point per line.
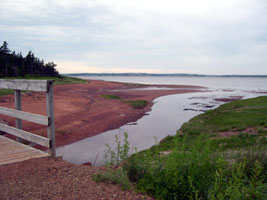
191	169
196	173
238	183
121	153
181	174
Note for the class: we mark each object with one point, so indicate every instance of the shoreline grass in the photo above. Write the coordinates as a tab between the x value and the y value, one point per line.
200	163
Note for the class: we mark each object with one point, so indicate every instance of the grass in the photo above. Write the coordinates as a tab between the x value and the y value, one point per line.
110	96
194	170
114	176
138	104
57	81
197	171
235	116
228	117
4	92
199	163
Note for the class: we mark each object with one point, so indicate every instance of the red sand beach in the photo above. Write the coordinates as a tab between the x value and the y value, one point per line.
81	112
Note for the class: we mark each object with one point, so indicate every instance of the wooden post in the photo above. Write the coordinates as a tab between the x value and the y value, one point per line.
18	107
50	115
21	136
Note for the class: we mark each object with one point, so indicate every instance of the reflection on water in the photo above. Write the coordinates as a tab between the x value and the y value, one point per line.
167	116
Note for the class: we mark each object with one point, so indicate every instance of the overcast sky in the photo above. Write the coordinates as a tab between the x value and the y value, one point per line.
154	36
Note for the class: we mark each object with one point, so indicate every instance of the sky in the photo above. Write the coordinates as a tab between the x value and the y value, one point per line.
150	36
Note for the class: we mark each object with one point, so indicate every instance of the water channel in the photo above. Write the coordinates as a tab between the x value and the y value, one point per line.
166	117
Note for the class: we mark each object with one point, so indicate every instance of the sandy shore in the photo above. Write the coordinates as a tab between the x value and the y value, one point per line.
81	112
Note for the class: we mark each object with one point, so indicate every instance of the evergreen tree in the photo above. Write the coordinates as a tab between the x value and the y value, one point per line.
4	48
13	64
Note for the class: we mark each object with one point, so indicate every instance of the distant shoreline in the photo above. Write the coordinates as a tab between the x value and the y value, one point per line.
162	75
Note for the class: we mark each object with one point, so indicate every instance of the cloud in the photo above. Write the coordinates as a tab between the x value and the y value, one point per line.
78	67
208	36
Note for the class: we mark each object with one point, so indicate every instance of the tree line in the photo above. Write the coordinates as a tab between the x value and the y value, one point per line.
13	64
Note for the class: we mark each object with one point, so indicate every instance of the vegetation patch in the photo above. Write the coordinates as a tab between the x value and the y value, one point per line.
113	157
235	116
110	96
139	104
114	176
199	163
4	92
193	169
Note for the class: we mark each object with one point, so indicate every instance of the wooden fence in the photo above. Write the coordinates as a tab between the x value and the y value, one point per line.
31	85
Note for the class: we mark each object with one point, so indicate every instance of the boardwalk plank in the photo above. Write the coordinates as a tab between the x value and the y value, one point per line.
12	151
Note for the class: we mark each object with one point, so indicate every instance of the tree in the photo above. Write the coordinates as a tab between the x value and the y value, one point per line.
4	48
14	64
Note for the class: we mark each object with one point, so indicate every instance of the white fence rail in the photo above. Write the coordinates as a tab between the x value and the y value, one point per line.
32	85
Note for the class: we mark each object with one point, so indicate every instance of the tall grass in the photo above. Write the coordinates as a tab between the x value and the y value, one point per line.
114	173
196	173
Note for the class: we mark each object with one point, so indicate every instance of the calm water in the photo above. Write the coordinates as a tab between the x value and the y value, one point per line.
212	82
166	116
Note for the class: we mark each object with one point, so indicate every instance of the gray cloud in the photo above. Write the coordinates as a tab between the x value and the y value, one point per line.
212	37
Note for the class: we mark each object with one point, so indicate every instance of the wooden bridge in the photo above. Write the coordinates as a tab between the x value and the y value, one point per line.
14	151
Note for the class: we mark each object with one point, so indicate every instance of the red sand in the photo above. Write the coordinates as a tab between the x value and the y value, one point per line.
81	112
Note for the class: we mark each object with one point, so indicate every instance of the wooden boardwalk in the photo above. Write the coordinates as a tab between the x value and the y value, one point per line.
12	151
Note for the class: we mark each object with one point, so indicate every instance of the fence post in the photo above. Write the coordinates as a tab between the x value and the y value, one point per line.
50	115
18	107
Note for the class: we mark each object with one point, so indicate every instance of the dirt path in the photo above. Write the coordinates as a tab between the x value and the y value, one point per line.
49	178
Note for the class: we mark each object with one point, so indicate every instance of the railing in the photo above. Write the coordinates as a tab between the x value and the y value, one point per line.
32	85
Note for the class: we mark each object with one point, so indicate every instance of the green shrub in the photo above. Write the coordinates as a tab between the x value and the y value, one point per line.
195	173
179	175
121	153
139	104
113	158
235	182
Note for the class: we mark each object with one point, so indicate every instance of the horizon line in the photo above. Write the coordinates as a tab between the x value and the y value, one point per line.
163	74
